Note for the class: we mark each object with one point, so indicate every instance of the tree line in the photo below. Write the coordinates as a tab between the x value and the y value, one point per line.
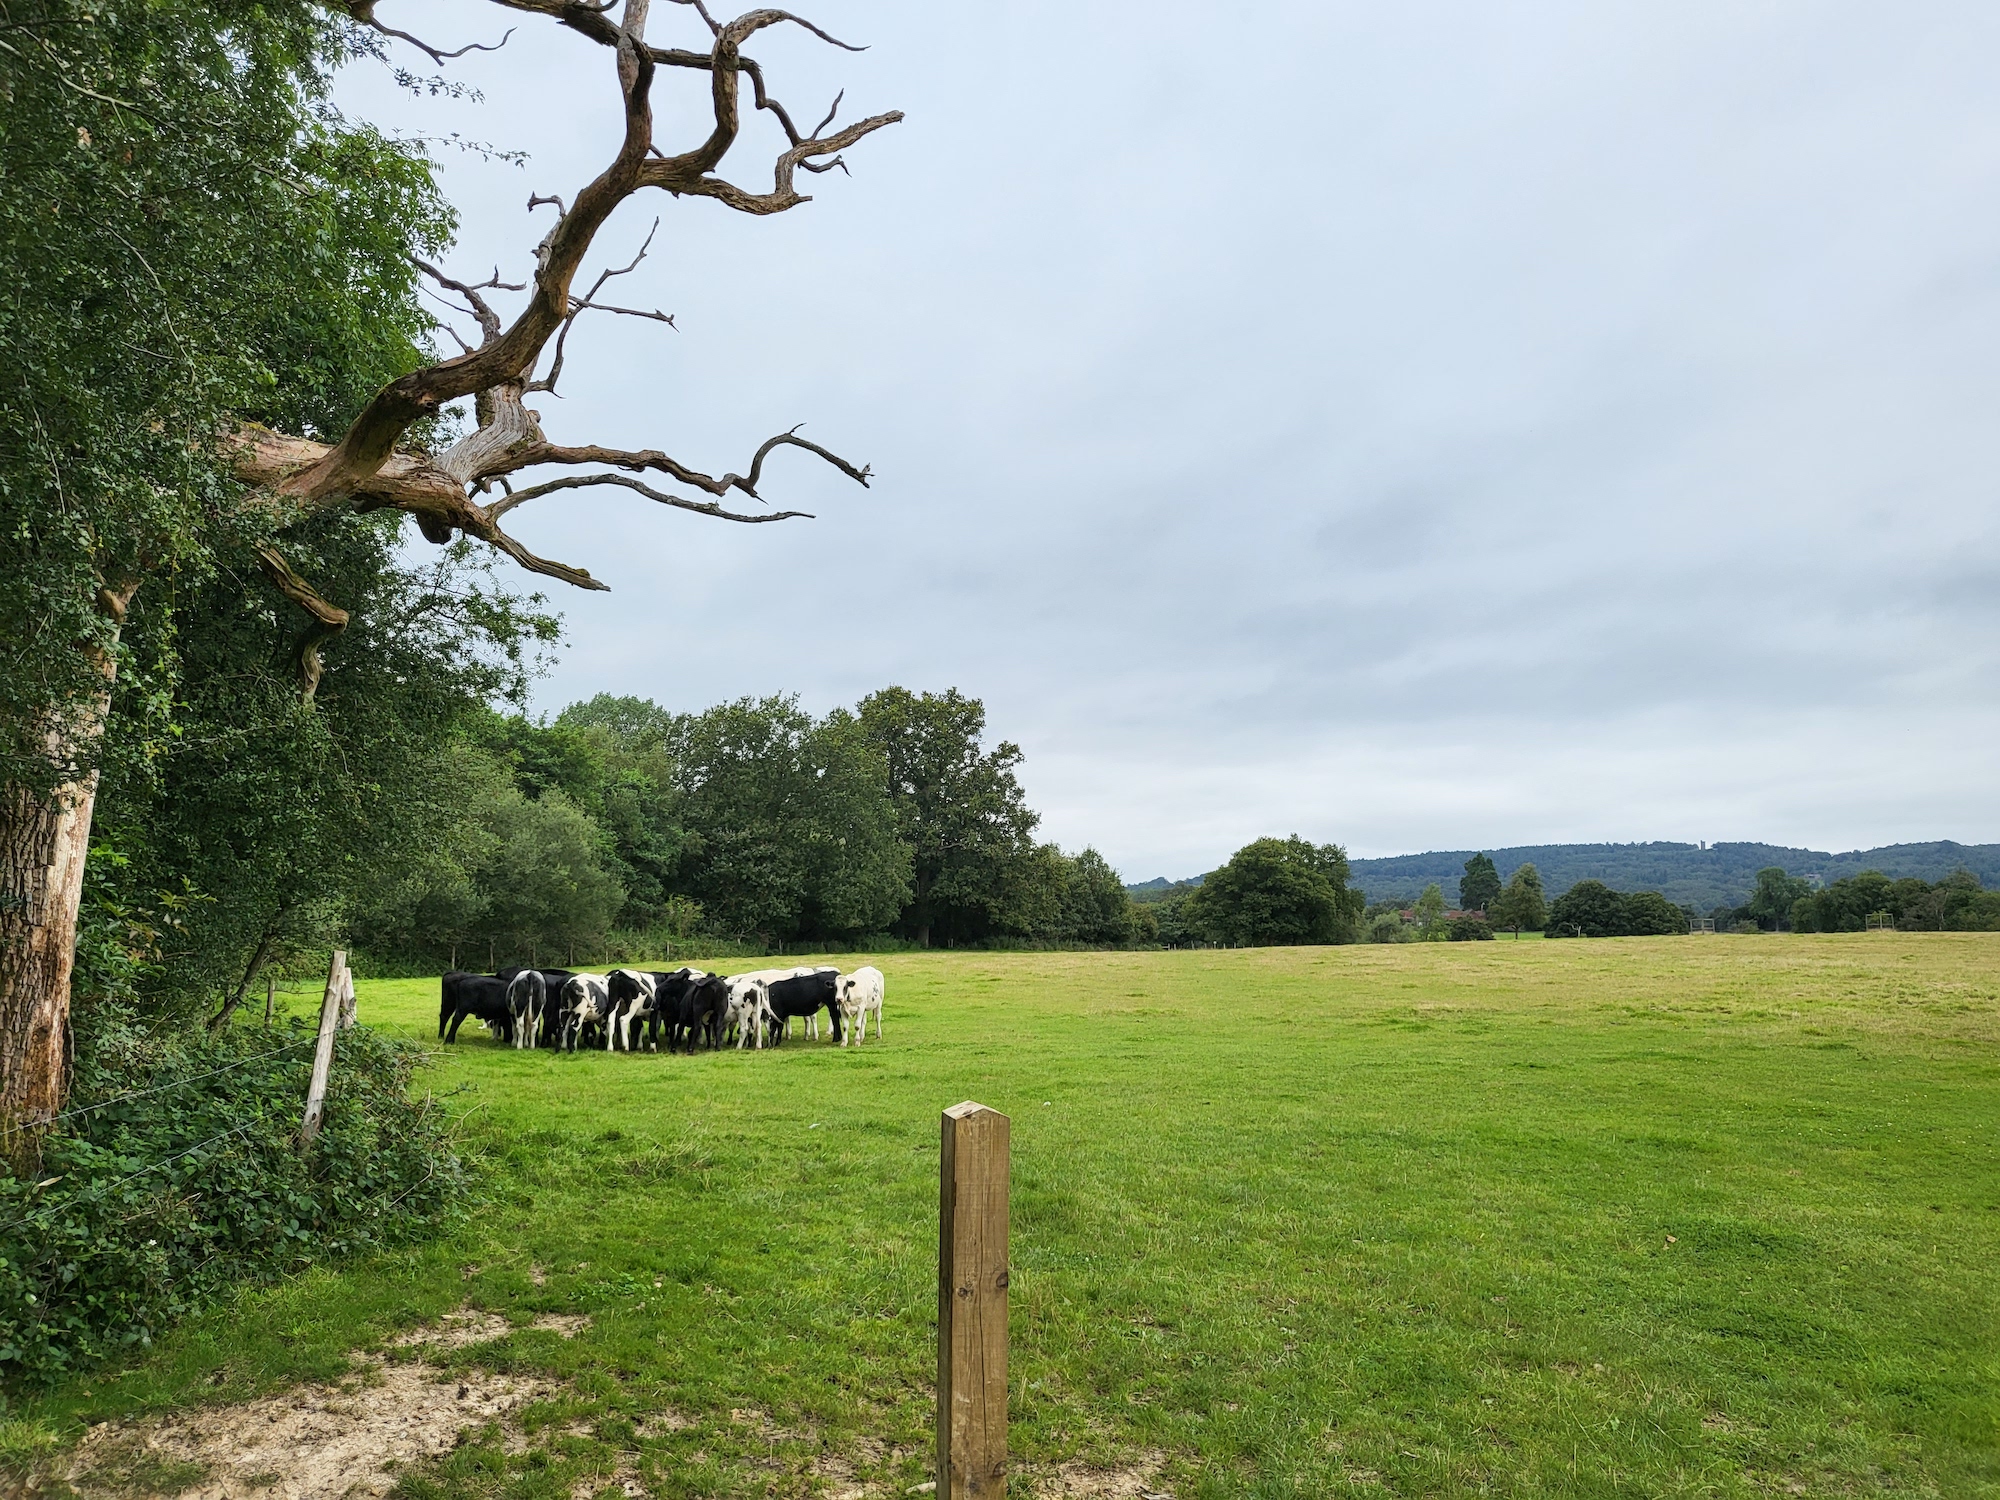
621	827
1785	902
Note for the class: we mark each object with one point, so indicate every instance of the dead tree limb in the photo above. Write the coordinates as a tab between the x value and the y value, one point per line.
369	467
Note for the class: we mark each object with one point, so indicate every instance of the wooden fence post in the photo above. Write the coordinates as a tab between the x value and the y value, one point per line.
972	1305
329	1019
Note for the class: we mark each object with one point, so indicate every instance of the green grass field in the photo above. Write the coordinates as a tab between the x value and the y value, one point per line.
1660	1217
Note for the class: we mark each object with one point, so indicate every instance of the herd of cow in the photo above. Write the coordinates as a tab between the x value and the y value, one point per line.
689	1008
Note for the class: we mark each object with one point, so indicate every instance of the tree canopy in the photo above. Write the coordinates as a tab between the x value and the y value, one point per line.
1479	887
1279	891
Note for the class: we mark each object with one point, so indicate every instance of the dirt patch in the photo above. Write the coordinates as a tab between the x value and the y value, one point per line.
455	1331
320	1442
1139	1480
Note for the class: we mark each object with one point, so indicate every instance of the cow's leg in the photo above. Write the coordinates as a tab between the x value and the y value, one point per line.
457	1018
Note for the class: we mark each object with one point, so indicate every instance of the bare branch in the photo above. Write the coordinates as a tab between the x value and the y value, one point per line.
782	195
585	303
702	10
679	502
365	469
832	110
489	320
363	11
493	536
642	460
328	620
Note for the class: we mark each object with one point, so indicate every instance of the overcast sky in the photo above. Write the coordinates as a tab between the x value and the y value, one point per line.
1412	425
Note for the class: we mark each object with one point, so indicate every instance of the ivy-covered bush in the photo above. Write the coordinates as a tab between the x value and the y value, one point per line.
168	1182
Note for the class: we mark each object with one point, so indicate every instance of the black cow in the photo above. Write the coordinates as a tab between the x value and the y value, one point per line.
668	986
698	1009
461	995
803	995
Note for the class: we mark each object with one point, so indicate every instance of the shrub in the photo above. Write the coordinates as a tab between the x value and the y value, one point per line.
159	1193
1390	927
1470	930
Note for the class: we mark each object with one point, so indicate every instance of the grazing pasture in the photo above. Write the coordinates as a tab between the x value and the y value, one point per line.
1645	1217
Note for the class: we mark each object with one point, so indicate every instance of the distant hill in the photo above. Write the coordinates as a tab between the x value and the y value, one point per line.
1684	873
1152	890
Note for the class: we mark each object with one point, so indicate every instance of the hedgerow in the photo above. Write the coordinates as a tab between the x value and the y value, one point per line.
185	1177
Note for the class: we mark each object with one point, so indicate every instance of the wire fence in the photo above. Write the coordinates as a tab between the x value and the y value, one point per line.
118	1182
181	1083
129	1096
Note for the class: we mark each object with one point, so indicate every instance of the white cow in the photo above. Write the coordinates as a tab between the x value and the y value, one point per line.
859	993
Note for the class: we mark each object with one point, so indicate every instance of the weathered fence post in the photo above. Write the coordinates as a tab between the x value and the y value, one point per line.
347	1011
972	1305
329	1019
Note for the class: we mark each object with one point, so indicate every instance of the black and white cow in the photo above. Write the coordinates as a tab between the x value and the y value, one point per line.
631	993
544	1032
803	993
859	993
744	1008
479	995
584	1010
527	998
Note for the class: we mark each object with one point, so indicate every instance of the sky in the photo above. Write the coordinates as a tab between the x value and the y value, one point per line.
1428	425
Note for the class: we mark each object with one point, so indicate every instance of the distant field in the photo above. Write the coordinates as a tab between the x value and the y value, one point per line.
1648	1217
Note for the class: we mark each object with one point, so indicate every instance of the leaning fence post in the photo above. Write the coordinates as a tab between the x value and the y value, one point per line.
972	1304
329	1019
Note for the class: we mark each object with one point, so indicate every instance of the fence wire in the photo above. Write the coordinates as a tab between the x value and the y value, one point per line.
117	1182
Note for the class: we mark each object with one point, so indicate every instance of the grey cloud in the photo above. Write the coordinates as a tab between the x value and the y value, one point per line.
1466	424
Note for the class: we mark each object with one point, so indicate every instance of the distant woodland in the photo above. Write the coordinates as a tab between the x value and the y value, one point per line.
1688	875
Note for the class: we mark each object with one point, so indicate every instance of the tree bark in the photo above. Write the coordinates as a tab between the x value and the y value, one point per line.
43	842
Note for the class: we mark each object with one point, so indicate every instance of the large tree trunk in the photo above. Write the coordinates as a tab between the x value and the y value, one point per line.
43	842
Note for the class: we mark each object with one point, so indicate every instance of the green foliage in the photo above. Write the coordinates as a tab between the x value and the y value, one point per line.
1276	892
1954	904
1702	876
191	236
790	824
1095	908
1479	887
1771	901
1649	914
1521	905
1592	909
1468	930
1428	914
961	811
176	1175
256	822
751	825
1389	927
